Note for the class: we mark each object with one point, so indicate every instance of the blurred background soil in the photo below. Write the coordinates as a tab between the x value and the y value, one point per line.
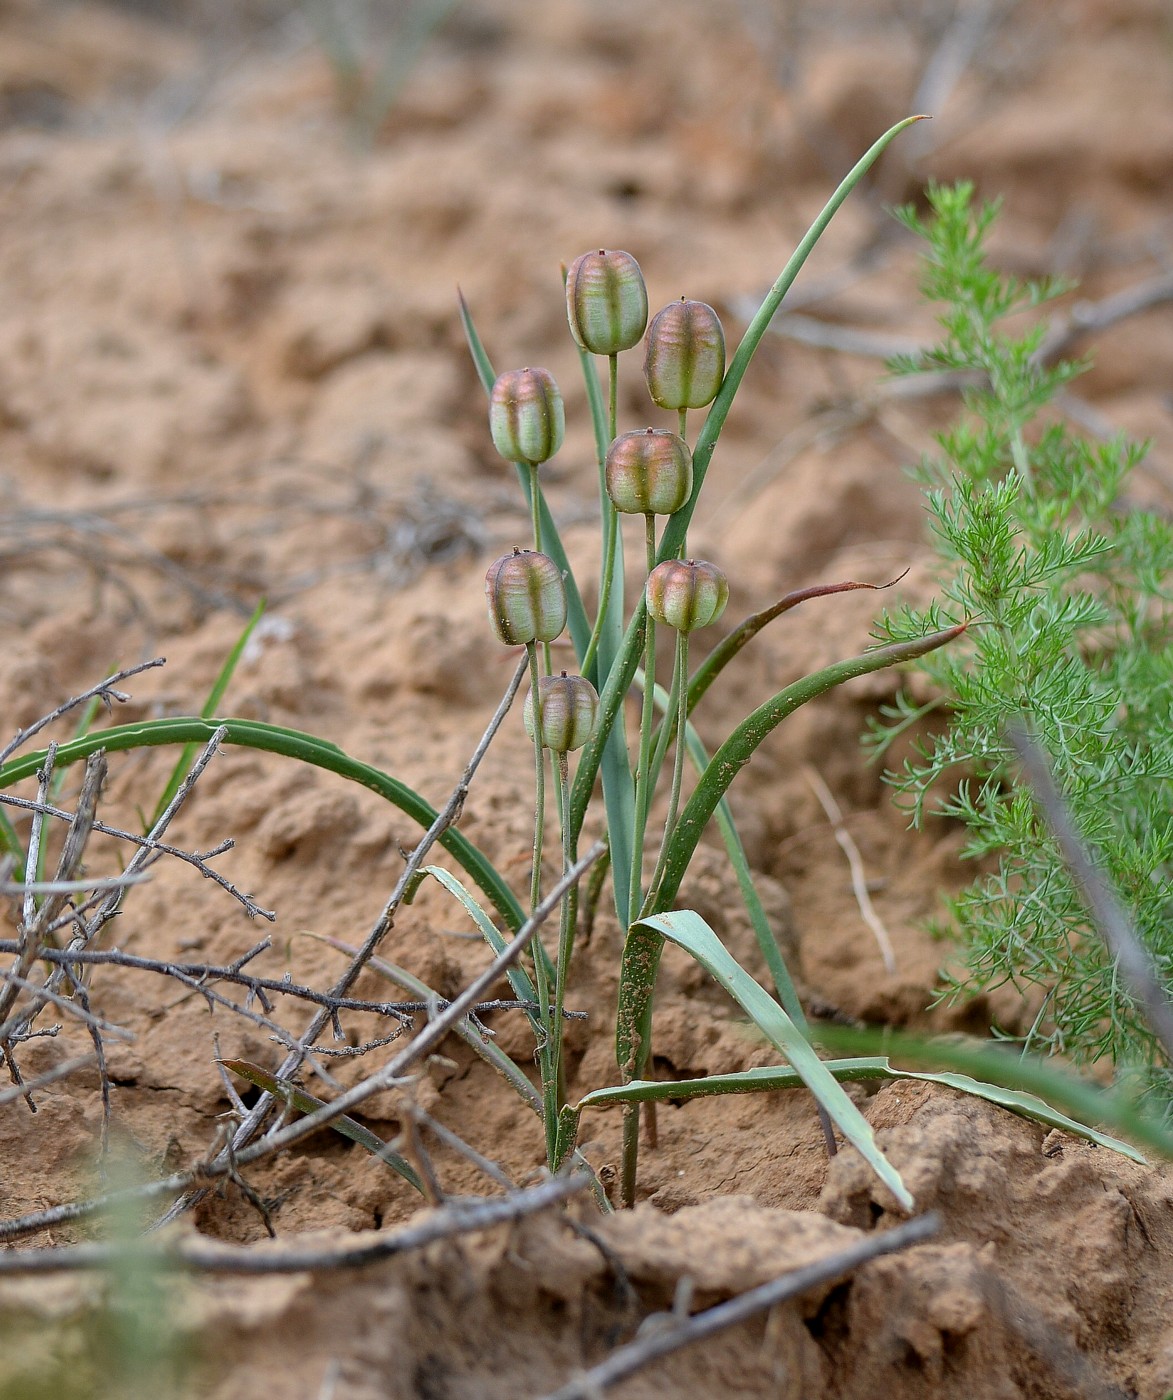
231	368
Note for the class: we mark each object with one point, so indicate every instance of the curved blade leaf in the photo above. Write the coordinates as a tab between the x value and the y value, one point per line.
739	748
762	1078
296	1097
689	931
291	743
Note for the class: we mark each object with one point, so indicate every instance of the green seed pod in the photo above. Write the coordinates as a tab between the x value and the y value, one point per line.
686	593
526	416
570	707
527	599
649	473
606	302
685	358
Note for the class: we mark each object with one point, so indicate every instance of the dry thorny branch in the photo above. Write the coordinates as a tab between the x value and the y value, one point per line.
228	1161
73	910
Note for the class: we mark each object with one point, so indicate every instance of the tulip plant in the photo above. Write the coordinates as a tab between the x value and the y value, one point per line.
533	598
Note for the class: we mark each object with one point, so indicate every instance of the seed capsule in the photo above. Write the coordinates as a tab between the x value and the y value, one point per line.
570	707
526	416
685	358
606	302
527	599
649	473
686	593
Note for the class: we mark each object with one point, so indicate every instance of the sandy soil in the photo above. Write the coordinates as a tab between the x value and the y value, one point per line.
230	367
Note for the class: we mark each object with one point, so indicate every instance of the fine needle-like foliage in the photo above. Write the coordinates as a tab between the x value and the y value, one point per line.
1066	586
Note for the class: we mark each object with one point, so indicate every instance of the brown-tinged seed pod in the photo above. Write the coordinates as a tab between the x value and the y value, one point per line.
526	416
649	472
570	707
527	598
685	358
686	593
606	301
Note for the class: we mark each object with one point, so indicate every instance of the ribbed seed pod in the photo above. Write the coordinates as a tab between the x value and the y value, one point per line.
527	598
686	593
649	472
606	302
684	362
570	707
526	416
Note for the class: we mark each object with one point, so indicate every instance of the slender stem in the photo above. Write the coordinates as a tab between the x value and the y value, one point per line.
610	520
667	728
566	924
682	423
630	1161
643	771
535	506
680	691
546	1054
535	890
610	542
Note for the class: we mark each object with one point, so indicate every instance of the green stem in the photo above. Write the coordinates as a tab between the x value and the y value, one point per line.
610	517
566	924
547	1051
610	541
629	1168
535	507
535	889
682	423
643	770
680	690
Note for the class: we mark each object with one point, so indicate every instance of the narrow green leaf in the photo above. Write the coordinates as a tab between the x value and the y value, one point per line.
211	706
760	1079
614	763
519	979
739	748
767	943
611	700
623	671
10	841
677	527
297	1098
689	931
726	649
474	1038
1009	1070
290	743
746	1081
476	346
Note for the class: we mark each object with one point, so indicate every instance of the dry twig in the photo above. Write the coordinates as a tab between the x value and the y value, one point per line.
388	1077
382	926
104	691
200	1255
674	1334
859	884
